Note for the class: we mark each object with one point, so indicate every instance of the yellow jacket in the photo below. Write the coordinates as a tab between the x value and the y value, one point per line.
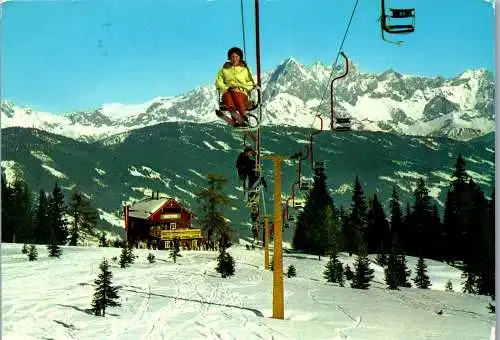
238	77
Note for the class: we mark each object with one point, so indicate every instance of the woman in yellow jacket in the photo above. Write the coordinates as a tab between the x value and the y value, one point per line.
234	80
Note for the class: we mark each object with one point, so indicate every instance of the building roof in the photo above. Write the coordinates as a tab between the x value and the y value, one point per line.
145	208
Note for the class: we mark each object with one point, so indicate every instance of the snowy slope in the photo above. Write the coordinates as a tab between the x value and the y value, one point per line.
48	299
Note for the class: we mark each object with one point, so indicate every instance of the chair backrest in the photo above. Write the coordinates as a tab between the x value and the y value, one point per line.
402	12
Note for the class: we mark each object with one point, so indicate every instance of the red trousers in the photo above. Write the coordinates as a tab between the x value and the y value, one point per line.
235	101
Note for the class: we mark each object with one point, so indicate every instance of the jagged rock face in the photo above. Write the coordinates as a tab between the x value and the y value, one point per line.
438	106
293	94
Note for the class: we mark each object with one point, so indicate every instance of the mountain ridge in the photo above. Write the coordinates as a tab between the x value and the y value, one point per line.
460	107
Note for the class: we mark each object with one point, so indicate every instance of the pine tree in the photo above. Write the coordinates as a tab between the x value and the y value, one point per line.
7	211
151	258
318	228
363	274
225	264
359	216
130	253
449	286
420	232
41	222
25	249
334	271
456	212
392	272
22	213
53	247
349	239
85	216
124	257
102	240
469	283
381	259
403	272
378	228
437	235
214	225
57	209
348	273
174	252
291	272
406	230
105	294
73	236
491	305
396	221
421	278
486	269
33	253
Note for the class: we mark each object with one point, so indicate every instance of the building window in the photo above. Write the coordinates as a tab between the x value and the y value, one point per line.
172	226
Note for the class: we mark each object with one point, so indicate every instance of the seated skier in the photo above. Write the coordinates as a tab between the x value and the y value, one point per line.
234	80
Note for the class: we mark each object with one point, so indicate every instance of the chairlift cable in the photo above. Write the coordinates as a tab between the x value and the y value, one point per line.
318	114
243	27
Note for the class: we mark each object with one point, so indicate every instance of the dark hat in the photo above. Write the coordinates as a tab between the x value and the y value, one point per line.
236	50
247	148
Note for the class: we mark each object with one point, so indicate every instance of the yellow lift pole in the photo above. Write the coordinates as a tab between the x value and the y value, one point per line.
278	296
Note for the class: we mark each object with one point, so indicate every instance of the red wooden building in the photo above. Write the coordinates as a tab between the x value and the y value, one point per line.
156	222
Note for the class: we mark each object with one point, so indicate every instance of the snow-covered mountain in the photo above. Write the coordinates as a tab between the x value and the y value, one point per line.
293	94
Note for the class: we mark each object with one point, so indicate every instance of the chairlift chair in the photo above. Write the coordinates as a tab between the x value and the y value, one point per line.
251	105
306	184
299	204
319	165
399	13
398	21
343	124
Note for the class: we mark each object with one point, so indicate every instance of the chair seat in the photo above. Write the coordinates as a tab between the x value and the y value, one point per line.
400	27
250	106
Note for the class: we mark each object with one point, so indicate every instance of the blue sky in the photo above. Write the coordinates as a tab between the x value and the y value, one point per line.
62	56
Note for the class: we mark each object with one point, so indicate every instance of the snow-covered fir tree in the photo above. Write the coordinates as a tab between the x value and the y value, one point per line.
32	253
348	273
334	271
403	271
126	257
175	251
421	278
392	272
54	248
449	286
102	240
105	294
363	274
225	264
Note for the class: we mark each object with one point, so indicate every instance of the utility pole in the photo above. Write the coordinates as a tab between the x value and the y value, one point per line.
278	296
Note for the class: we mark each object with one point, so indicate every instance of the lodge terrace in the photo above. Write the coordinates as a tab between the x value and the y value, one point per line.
155	222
